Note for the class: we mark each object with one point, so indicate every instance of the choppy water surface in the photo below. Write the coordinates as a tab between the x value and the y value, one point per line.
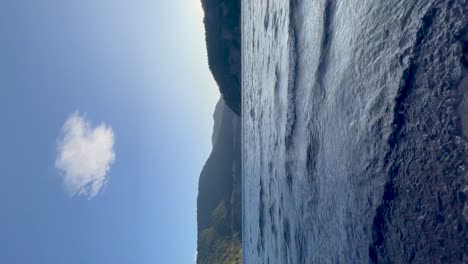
349	112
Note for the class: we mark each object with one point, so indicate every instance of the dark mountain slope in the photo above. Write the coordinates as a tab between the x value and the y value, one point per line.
219	195
223	41
219	190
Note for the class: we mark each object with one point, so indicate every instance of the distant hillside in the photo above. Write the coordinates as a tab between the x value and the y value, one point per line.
219	194
223	41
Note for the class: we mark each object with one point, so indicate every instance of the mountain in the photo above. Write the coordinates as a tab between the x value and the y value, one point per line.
219	212
223	42
219	193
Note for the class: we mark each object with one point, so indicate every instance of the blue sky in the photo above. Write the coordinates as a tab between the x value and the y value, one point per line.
140	68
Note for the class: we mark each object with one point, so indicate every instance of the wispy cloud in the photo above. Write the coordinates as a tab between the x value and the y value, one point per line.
84	155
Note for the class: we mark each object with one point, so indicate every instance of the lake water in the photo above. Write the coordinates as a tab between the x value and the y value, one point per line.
347	106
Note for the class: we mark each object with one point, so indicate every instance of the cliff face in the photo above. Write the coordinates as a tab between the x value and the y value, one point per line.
223	41
219	194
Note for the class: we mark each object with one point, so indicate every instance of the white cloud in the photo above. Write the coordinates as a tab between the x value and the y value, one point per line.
84	156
